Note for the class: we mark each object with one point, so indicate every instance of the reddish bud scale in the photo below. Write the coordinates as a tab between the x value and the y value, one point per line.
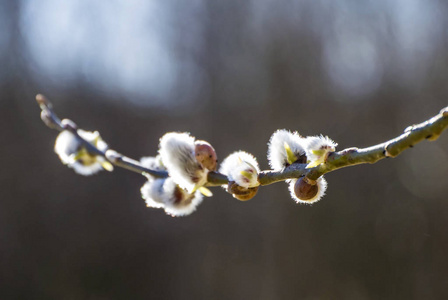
241	193
205	155
305	189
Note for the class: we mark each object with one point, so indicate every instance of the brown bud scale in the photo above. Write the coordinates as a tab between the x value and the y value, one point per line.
304	190
205	155
241	193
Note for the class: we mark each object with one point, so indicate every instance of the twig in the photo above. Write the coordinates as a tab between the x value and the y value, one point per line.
428	130
50	119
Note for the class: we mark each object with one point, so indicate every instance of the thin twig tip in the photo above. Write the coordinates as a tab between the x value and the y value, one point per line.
69	125
444	112
42	100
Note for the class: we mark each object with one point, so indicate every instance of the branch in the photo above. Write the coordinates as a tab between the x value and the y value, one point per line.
428	130
50	119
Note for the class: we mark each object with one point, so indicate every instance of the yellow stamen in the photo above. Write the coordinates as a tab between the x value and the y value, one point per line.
205	191
318	152
107	166
248	175
289	154
315	163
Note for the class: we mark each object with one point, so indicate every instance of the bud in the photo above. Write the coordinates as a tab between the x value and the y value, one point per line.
177	151
317	149
285	148
242	168
205	155
42	101
165	193
241	193
444	112
73	154
305	190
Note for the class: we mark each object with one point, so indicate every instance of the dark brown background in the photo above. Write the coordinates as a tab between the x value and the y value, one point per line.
380	233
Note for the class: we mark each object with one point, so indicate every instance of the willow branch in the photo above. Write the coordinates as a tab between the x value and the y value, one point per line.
428	130
50	119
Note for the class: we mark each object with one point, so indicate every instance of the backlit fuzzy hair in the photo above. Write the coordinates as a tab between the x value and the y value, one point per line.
321	188
67	146
177	152
236	164
277	155
153	163
164	193
320	142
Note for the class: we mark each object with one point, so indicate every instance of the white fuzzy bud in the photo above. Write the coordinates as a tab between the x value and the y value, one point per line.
178	156
311	194
73	154
164	193
242	168
318	148
285	148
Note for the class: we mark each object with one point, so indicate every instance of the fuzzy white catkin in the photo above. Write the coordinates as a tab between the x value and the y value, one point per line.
152	192
321	188
277	156
67	145
177	152
164	193
238	162
321	142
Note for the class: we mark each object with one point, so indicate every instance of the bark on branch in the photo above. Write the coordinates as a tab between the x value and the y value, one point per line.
428	130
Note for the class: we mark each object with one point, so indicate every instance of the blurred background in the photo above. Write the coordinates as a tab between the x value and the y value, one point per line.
230	72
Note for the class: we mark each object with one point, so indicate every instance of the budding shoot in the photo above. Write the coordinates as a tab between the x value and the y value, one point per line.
305	190
317	149
73	153
286	148
178	153
241	193
205	155
165	193
242	168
